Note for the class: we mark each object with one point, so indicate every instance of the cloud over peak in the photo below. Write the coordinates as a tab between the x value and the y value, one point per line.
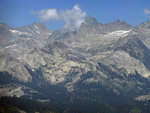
72	17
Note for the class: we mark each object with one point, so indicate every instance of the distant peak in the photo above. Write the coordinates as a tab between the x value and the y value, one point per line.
40	26
91	21
123	23
117	21
3	25
35	23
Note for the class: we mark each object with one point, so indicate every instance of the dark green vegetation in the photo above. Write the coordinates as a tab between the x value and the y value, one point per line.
88	98
17	105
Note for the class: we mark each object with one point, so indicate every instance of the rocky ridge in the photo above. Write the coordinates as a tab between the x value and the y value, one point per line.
115	56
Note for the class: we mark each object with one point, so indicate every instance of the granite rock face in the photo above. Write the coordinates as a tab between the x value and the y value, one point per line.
115	56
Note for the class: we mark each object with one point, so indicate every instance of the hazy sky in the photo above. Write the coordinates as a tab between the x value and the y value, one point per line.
54	13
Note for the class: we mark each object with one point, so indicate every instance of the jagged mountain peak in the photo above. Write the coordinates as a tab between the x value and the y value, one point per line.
143	30
91	21
144	25
92	26
123	23
94	58
3	25
37	27
40	26
118	25
117	21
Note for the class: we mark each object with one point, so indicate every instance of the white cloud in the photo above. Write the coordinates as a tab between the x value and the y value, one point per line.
72	17
47	14
146	11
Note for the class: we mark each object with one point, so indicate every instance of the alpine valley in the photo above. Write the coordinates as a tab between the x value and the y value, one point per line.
97	68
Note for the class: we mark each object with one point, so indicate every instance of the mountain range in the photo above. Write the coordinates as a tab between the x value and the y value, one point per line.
97	68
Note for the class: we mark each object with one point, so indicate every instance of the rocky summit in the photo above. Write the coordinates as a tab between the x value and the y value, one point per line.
97	68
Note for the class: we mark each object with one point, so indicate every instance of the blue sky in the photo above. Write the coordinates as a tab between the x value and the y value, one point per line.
18	12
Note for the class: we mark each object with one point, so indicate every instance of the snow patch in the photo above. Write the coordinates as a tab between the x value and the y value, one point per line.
11	46
18	32
118	34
